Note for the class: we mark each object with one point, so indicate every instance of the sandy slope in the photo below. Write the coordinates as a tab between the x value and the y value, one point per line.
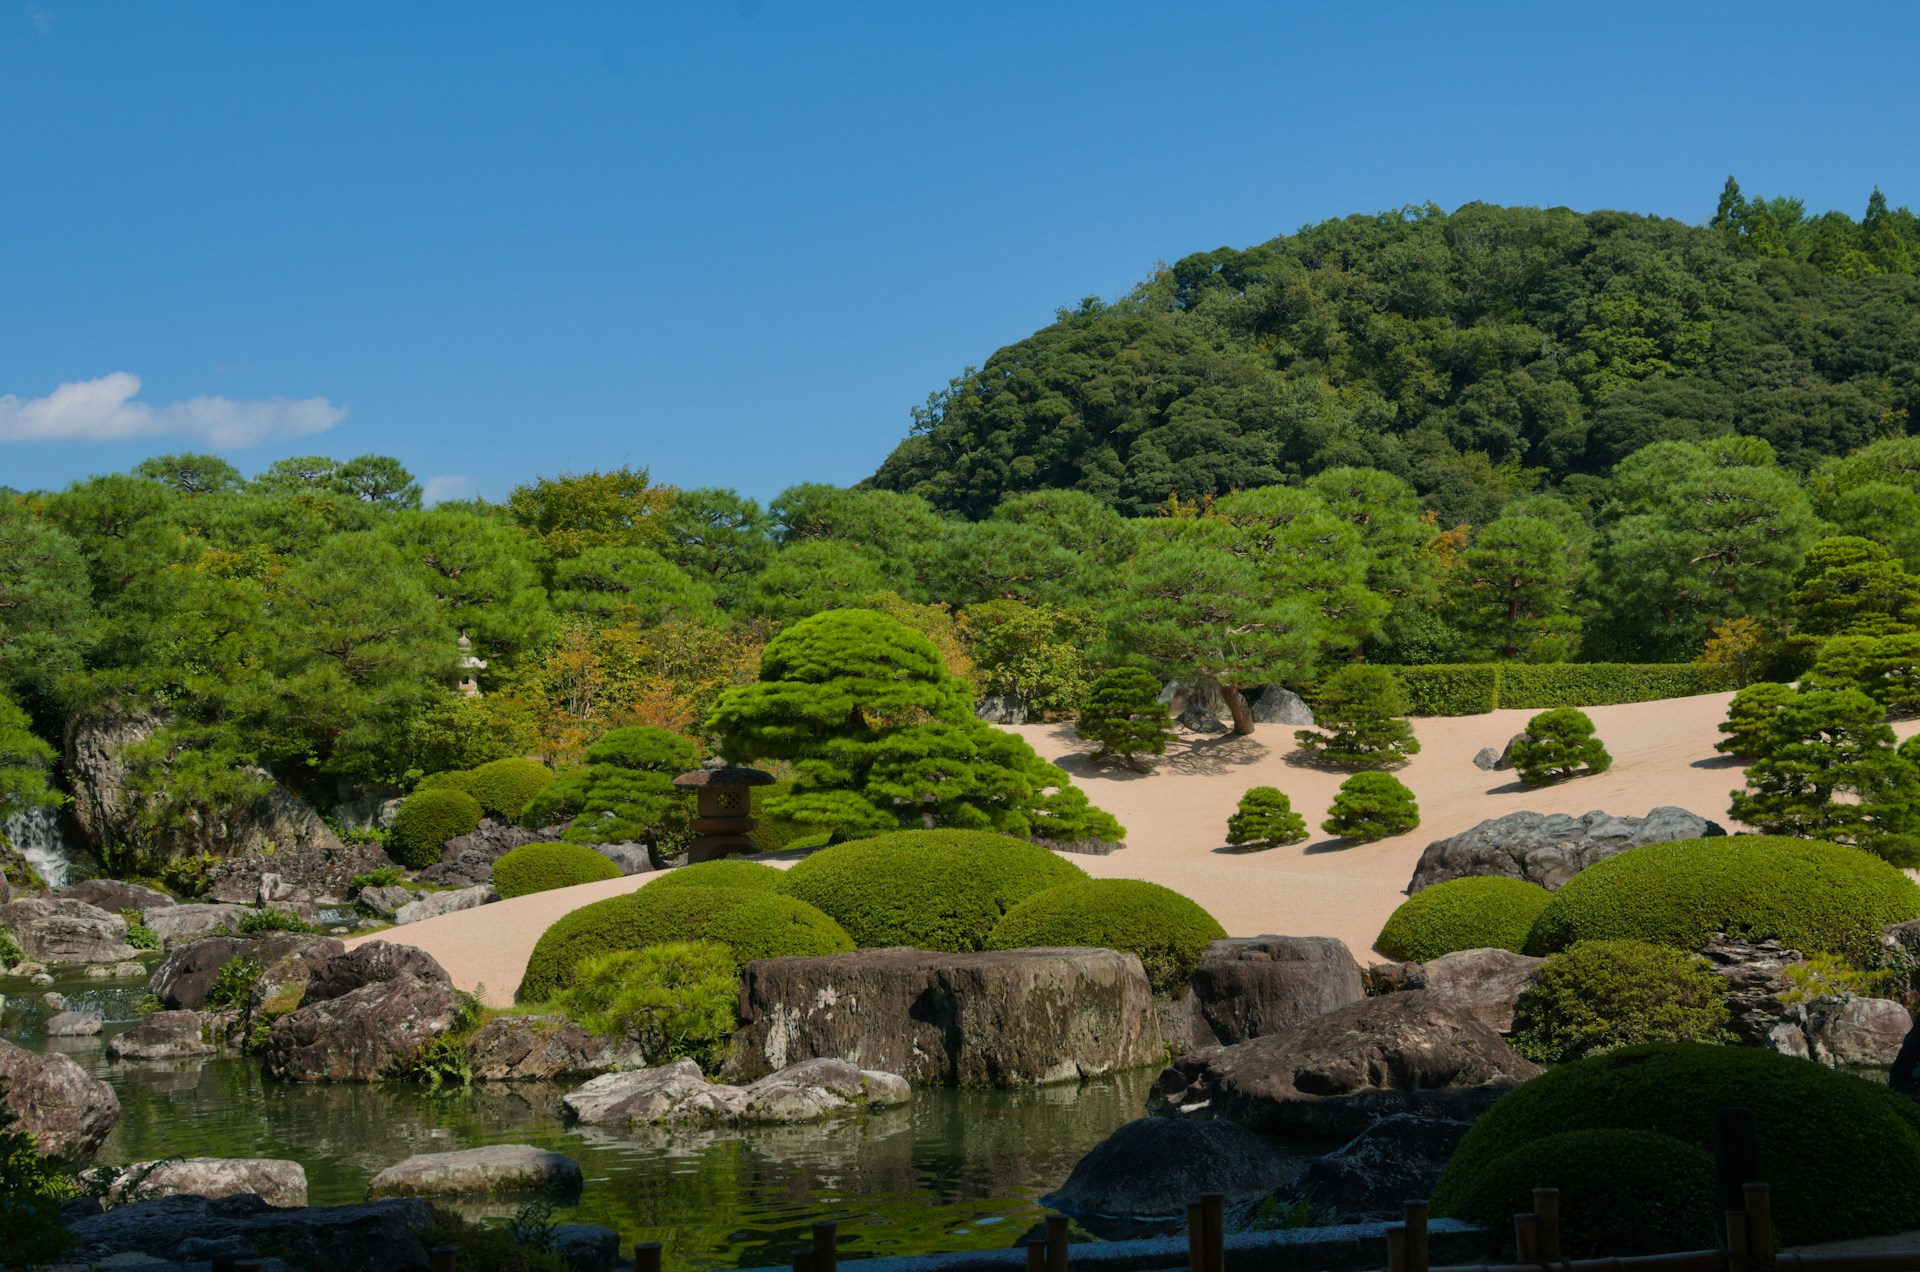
1176	823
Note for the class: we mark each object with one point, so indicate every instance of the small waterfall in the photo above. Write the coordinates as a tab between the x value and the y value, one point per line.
42	840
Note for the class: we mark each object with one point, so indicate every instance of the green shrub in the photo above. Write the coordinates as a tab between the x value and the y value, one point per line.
751	924
1455	689
625	790
1840	1152
543	867
32	1186
931	889
1622	1192
1599	996
11	955
233	983
1814	897
426	820
772	831
745	876
503	787
1124	714
1167	930
1265	819
1371	806
451	780
1750	719
1450	689
1480	912
267	919
139	935
1358	712
378	877
673	1001
1557	745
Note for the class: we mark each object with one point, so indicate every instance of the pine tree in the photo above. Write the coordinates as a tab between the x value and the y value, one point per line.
1124	714
1371	806
1826	743
1559	744
1265	819
1359	712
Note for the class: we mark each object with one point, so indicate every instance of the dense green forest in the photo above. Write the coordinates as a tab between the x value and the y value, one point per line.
1496	435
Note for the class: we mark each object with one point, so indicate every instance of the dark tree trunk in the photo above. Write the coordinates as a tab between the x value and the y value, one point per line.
1237	705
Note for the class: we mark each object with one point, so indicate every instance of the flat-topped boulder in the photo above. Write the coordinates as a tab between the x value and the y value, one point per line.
1154	1166
178	925
165	1035
1250	986
114	896
488	1171
1843	1031
1550	848
72	1024
1372	1176
679	1093
996	1018
432	905
1338	1073
275	1181
63	931
537	1048
1486	982
186	975
54	1100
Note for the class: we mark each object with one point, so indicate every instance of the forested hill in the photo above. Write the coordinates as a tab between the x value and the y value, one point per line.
1475	354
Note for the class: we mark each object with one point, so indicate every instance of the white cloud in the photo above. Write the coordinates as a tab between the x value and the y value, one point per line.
103	410
436	489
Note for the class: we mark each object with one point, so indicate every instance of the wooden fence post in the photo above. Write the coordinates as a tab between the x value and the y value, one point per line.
443	1258
224	1262
1759	1224
1213	1209
1056	1243
1733	1224
803	1259
1736	1162
1396	1247
826	1246
646	1256
1196	1237
1036	1256
1418	1255
1546	1209
1526	1238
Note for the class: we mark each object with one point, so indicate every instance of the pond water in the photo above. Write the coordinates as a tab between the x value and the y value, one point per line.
955	1170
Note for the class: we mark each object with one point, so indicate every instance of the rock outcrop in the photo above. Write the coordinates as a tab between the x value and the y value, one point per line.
1373	1176
1550	848
539	1048
467	860
62	931
432	905
1339	1073
362	1012
72	1024
1487	983
165	1035
1277	704
1843	1031
381	1236
489	1171
1247	987
678	1093
186	974
1754	973
997	1018
179	924
275	1181
114	896
1153	1166
51	1097
312	869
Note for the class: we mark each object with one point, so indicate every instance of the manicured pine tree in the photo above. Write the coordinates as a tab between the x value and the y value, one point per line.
1826	743
1371	806
1750	718
1559	744
1360	712
1265	819
1124	714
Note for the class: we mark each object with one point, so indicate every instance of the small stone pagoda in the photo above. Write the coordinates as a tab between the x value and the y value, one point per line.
723	819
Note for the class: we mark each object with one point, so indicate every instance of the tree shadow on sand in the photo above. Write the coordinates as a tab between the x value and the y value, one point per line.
1187	757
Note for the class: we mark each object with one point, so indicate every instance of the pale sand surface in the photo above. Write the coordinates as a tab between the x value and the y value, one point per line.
1176	827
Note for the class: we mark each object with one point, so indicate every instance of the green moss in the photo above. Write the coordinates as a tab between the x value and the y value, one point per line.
503	787
930	889
1840	1152
543	867
426	820
745	876
1818	898
1167	930
1475	913
751	924
1600	996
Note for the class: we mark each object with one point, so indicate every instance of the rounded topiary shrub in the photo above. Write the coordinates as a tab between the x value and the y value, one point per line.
1481	912
747	876
1167	930
452	779
931	889
1621	1192
1841	1152
426	820
1599	996
1559	744
503	787
1814	897
1371	806
1265	819
543	867
751	924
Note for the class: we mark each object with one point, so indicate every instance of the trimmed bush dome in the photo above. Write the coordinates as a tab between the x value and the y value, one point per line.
426	820
1815	897
742	876
1167	930
1600	996
1621	1192
1370	806
543	867
1841	1152
1477	913
751	924
931	889
503	787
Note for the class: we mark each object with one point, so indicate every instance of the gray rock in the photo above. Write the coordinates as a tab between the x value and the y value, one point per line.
539	1048
385	902
374	812
114	896
1195	720
488	1171
374	963
165	1035
1372	1176
65	931
1338	1073
183	923
434	904
586	1247
359	1035
186	975
275	1181
1548	849
73	1024
1001	709
1843	1031
1247	987
128	970
39	980
994	1018
1487	983
631	858
1183	1026
1180	698
1277	704
310	867
678	1093
51	1097
1486	758
373	1237
56	1001
468	859
1154	1166
1754	973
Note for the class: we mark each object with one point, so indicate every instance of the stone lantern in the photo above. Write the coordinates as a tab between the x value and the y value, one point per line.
723	816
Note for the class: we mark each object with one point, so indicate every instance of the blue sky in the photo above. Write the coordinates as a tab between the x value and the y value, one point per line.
737	242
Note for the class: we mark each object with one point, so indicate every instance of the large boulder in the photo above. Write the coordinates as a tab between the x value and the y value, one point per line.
467	860
1372	1177
187	973
373	963
1154	1166
64	930
995	1018
1338	1073
386	901
382	1236
1205	698
115	896
434	904
360	1035
1487	983
1250	986
1277	704
274	1180
51	1097
1754	974
488	1171
72	1024
179	924
678	1093
540	1048
1843	1031
1550	848
309	868
165	1035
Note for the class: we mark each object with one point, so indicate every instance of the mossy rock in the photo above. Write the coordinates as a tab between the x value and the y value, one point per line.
746	876
1482	912
930	889
426	820
545	866
1167	930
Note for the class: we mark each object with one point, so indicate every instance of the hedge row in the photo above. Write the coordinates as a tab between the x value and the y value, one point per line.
1453	689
